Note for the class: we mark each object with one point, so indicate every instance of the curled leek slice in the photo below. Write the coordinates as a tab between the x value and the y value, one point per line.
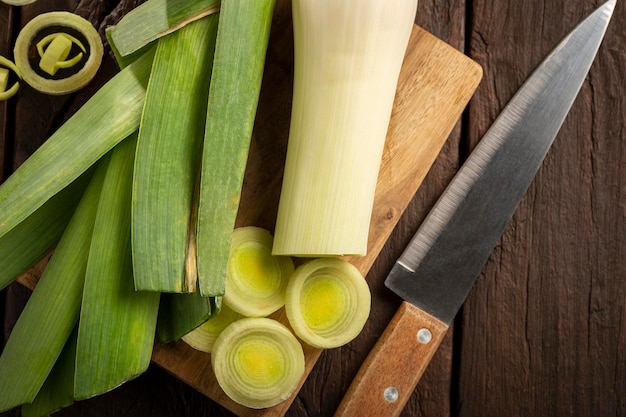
5	66
258	362
71	21
203	337
54	49
256	279
327	302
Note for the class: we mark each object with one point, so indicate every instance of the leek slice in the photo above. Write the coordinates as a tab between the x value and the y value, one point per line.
63	85
54	49
18	2
5	93
327	302
203	337
242	39
256	279
258	362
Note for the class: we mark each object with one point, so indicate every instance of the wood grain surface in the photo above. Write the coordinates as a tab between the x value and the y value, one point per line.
543	332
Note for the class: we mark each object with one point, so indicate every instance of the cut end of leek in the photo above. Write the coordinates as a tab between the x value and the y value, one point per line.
256	279
327	302
203	338
258	362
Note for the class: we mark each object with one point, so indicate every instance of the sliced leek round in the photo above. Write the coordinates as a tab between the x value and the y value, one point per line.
55	58
18	2
258	362
203	337
5	91
256	280
327	302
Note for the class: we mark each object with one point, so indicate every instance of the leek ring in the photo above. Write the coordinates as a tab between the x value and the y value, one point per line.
327	302
65	85
256	280
5	93
203	337
258	362
18	2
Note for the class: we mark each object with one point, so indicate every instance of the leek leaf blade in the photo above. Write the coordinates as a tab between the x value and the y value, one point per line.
167	156
109	116
242	39
117	323
33	238
24	365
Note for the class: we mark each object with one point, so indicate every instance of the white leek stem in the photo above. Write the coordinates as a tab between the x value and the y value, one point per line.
348	57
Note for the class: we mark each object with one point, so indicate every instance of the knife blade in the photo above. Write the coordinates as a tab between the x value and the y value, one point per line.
439	266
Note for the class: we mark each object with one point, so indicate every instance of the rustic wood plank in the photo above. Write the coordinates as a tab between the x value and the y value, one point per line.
543	331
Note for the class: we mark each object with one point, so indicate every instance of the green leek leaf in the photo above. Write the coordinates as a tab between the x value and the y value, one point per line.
168	150
154	19
58	390
33	238
117	323
242	38
107	118
52	310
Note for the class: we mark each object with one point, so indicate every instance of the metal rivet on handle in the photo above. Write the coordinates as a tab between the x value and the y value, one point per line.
391	394
424	336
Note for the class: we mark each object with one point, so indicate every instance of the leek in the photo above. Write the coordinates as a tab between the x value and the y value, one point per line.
167	160
109	116
347	62
327	302
154	19
242	38
181	313
35	237
117	323
203	337
256	280
54	49
258	362
58	390
18	2
5	91
68	84
52	310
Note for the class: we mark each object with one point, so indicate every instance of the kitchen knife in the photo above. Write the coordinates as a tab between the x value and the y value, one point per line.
438	268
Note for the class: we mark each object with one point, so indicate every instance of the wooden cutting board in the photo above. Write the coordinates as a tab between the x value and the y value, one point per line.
434	88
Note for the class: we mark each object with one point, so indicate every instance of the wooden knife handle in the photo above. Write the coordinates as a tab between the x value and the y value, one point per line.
393	368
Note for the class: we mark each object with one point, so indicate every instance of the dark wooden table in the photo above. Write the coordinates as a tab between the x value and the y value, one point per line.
543	332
